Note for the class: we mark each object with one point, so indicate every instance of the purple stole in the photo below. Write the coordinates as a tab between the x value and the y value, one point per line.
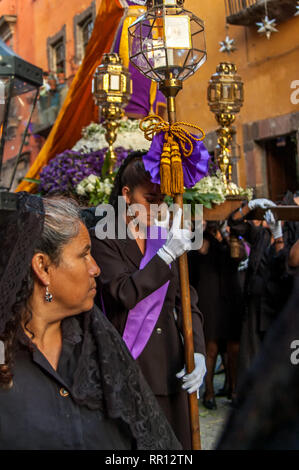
143	317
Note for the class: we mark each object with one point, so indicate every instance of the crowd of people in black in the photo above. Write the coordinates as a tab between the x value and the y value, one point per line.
243	301
92	329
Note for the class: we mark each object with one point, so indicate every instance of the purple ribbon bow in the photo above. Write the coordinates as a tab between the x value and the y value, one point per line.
195	167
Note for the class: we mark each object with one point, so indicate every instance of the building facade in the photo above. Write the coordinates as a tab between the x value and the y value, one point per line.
53	34
268	124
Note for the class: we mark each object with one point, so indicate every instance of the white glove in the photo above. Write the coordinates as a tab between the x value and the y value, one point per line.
273	224
178	240
243	265
223	230
193	381
262	203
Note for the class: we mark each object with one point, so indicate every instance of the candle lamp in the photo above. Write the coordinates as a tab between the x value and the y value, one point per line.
225	98
112	89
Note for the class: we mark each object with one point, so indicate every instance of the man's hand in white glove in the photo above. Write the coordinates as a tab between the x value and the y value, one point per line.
261	203
193	381
273	224
178	240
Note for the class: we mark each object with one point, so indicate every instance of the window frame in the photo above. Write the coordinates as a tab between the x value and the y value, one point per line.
79	22
52	43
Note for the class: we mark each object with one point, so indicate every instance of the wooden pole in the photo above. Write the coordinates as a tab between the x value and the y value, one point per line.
186	310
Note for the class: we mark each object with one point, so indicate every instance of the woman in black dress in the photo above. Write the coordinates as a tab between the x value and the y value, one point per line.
67	382
126	284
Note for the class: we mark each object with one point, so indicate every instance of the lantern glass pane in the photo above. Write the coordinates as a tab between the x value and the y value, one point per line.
4	93
115	82
177	32
19	107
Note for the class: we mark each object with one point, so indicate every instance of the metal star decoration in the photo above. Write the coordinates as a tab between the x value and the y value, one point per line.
228	45
297	8
267	27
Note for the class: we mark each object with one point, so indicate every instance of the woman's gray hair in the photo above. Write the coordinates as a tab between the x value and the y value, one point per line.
61	225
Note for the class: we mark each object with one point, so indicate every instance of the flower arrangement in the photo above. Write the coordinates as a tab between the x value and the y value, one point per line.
68	169
212	190
78	172
129	136
97	191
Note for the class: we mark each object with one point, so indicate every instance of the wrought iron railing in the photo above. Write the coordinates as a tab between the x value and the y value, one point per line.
234	7
248	12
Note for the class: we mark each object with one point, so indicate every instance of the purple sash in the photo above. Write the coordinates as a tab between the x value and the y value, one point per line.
143	317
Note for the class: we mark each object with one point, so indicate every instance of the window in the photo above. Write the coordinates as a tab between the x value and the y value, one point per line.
83	27
7	28
56	52
87	28
59	57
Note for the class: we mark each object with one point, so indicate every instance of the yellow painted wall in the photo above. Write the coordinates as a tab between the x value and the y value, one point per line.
267	67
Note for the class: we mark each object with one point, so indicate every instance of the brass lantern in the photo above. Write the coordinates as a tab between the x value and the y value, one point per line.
167	44
226	97
112	89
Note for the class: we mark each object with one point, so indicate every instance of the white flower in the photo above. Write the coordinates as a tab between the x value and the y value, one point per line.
92	178
129	136
80	190
90	187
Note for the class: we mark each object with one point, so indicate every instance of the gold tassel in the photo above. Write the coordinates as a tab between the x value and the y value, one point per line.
165	168
177	176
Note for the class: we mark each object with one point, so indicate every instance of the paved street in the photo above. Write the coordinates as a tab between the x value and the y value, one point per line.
212	421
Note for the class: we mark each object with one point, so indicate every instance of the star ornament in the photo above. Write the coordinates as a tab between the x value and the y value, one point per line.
228	45
267	27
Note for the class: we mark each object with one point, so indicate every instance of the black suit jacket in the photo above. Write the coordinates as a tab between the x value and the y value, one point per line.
123	285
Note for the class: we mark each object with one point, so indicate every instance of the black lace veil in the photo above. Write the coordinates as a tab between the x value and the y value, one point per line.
19	231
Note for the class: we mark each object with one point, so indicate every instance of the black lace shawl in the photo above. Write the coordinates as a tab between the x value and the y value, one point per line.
19	231
108	378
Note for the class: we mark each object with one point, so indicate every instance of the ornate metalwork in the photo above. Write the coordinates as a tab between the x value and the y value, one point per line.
112	89
167	42
225	98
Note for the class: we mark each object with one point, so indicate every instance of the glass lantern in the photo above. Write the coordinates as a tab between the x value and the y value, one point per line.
225	98
112	90
112	83
167	42
19	87
226	93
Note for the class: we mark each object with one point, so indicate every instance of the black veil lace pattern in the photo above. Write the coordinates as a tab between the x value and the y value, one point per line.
108	378
19	231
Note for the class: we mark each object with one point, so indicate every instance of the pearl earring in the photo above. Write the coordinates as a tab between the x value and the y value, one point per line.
48	296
